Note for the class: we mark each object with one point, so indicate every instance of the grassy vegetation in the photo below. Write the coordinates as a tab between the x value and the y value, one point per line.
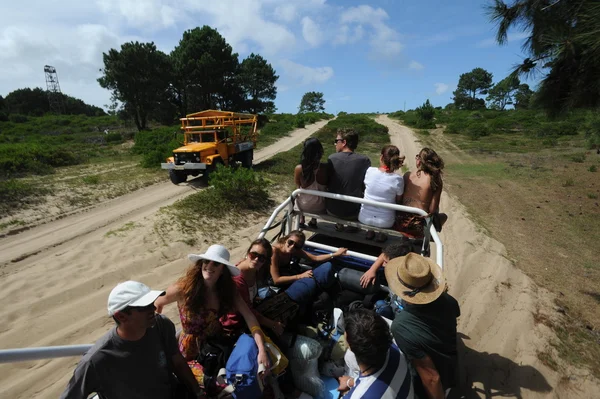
280	125
530	185
234	192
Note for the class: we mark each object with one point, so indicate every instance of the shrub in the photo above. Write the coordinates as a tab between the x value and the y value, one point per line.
456	127
3	116
477	130
15	194
593	168
18	118
92	179
579	158
557	129
114	138
426	112
342	113
300	121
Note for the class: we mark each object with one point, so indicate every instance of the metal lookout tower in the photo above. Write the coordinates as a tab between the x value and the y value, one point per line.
55	98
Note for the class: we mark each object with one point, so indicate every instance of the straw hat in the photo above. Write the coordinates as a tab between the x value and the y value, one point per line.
415	279
216	253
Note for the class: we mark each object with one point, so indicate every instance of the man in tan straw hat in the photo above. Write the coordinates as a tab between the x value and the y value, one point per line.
426	329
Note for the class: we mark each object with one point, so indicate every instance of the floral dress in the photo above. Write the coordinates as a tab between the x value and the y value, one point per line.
196	328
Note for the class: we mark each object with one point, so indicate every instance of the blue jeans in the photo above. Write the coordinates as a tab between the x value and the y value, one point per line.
304	290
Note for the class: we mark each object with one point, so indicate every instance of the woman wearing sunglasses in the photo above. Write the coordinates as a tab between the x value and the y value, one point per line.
258	257
301	286
206	296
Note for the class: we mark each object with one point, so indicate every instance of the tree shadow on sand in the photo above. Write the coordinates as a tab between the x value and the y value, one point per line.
489	375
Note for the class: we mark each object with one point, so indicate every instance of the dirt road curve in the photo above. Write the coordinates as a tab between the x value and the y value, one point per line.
133	206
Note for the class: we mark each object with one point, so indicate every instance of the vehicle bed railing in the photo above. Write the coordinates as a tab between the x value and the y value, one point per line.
292	223
44	352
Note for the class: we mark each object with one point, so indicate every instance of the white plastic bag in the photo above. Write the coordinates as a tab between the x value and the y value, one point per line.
304	363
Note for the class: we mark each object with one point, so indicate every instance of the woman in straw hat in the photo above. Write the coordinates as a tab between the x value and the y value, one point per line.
205	296
426	329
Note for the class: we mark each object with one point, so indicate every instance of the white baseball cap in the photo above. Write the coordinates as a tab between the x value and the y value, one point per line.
131	293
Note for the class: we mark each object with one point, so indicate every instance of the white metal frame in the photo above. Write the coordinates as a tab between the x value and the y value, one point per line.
289	204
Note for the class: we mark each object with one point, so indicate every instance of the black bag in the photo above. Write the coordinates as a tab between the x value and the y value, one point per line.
279	307
213	355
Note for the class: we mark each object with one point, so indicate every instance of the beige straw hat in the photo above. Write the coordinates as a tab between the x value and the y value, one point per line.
415	279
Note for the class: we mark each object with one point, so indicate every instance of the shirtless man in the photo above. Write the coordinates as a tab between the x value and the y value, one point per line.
422	189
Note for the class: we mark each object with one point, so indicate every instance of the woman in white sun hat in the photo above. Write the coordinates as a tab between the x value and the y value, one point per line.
205	295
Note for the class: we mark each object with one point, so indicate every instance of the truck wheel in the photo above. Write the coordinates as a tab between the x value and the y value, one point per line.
247	158
177	176
210	169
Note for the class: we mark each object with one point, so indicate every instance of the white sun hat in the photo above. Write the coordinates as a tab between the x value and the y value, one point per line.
216	253
131	293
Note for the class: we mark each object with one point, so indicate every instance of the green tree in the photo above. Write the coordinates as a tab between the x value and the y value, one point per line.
28	101
204	66
312	101
501	94
470	85
257	79
563	45
523	96
138	76
426	112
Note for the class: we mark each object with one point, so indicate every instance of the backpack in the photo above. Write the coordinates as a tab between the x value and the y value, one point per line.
242	369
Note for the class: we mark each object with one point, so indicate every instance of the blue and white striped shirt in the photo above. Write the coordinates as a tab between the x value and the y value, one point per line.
392	381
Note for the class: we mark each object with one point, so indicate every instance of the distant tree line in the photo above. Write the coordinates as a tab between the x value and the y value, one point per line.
34	102
202	72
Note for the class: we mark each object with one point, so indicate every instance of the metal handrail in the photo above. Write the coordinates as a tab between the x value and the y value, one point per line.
44	352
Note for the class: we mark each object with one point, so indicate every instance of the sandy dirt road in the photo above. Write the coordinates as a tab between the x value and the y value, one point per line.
138	204
500	340
55	278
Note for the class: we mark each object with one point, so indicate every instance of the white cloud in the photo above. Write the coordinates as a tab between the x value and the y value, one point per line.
144	14
365	20
414	65
440	88
286	12
311	32
305	75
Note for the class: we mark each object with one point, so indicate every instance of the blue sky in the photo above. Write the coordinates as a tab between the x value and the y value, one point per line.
380	55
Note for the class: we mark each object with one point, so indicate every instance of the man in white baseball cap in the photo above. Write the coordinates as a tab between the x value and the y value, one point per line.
137	357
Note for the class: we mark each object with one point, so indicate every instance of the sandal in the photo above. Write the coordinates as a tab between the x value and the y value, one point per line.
312	223
370	235
381	237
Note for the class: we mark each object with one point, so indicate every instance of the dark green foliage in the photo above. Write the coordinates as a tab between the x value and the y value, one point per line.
202	62
425	116
396	114
523	96
557	129
564	41
477	129
34	102
156	145
470	85
282	124
18	118
21	159
114	138
138	75
501	94
233	190
257	79
312	101
300	121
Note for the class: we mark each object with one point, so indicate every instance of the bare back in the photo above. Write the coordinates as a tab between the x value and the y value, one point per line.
418	192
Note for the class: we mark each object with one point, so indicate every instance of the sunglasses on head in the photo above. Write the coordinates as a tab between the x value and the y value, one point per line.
255	255
295	244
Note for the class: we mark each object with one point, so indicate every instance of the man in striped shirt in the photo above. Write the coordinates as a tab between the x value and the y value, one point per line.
383	367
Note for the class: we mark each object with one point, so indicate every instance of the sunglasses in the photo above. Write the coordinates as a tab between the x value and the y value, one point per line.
255	255
417	156
294	244
206	262
336	141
